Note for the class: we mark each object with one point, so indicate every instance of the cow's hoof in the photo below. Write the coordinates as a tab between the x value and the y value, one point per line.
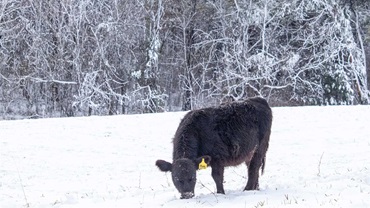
221	192
252	188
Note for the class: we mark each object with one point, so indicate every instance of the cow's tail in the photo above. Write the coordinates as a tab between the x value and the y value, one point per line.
263	165
264	146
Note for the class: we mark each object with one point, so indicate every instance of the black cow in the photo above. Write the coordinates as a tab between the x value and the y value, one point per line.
227	135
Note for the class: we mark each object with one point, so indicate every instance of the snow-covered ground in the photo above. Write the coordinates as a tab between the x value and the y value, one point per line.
318	157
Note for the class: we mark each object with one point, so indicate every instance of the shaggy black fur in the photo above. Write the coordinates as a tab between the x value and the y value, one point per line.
227	135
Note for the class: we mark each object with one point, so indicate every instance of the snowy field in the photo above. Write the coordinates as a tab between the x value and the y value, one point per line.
318	157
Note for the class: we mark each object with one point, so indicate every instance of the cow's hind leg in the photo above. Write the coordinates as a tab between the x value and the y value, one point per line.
218	177
258	161
253	172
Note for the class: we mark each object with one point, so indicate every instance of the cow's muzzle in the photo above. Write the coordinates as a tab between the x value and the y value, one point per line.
187	195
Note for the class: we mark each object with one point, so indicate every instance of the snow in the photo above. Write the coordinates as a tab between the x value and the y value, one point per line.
318	157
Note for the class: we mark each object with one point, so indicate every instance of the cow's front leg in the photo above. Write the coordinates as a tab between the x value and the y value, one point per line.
218	177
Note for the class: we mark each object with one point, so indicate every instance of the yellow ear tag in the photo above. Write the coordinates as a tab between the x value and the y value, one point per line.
202	165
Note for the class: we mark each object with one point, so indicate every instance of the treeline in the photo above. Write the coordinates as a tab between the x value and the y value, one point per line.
89	57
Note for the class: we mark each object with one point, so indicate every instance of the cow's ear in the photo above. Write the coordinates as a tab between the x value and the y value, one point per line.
163	165
204	159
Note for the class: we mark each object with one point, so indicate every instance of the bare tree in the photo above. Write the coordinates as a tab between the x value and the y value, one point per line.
300	51
69	58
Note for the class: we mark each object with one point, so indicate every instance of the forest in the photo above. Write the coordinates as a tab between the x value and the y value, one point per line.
62	58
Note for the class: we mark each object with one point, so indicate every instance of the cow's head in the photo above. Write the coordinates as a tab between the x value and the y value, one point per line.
183	173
